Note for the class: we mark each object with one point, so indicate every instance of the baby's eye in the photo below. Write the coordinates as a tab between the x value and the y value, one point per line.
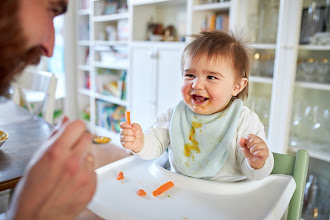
211	77
189	75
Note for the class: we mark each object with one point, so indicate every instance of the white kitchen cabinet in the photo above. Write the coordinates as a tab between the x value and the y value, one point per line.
169	76
144	77
156	75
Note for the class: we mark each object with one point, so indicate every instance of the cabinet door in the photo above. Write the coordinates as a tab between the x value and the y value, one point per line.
143	73
169	77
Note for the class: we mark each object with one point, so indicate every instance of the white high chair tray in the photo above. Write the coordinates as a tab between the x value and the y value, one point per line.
189	199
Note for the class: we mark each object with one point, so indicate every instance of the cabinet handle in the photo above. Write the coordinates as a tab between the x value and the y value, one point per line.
153	54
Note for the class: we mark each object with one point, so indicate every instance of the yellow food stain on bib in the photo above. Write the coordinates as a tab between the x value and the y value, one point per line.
196	125
194	144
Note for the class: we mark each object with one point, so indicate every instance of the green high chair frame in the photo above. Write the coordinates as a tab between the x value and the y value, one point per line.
297	167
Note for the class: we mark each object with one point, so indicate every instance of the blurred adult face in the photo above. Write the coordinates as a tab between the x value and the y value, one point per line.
36	17
26	33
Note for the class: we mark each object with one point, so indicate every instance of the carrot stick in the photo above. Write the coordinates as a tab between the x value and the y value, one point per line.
163	188
128	117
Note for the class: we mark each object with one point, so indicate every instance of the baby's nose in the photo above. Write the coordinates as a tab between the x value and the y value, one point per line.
198	84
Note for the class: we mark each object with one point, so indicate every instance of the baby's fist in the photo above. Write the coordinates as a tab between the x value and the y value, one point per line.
131	136
255	150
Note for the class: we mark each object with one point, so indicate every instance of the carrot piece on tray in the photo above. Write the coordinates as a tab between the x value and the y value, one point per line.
120	176
163	188
141	192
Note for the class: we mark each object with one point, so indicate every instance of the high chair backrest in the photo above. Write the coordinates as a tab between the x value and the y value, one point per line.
297	167
36	81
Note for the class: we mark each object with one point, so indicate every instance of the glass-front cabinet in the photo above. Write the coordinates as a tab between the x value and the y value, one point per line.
310	118
261	30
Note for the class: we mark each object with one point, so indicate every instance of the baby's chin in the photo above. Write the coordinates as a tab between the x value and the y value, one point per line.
202	110
199	109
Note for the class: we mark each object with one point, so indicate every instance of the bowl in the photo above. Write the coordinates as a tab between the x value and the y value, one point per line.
3	137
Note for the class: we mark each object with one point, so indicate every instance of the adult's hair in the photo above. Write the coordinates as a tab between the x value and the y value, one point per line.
14	56
225	46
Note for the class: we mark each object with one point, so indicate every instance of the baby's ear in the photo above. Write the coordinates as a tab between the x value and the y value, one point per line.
239	86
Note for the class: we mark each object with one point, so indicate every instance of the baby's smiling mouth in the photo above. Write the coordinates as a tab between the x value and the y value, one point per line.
199	99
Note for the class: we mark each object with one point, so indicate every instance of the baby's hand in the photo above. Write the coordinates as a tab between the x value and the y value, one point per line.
131	136
255	150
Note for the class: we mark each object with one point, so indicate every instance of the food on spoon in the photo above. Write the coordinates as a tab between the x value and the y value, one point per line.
141	192
101	140
120	176
163	188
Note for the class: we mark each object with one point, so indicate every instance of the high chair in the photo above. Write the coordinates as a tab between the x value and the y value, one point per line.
36	82
297	167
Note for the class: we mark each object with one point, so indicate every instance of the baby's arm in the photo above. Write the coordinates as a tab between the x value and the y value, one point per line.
250	126
255	151
131	136
151	143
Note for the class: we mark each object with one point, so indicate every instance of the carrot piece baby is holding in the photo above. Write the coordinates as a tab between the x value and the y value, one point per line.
209	134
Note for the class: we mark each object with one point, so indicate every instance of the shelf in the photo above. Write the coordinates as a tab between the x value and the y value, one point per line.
111	99
84	91
313	85
107	66
148	2
221	6
315	47
84	12
84	67
111	43
264	46
84	43
321	152
112	17
261	79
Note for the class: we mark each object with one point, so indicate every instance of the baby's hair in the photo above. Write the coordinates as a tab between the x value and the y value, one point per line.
222	45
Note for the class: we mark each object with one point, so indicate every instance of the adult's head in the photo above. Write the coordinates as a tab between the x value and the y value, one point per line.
26	33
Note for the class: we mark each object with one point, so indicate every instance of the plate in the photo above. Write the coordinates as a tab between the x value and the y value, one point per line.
189	199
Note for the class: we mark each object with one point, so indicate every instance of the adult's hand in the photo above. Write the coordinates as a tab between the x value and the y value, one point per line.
60	179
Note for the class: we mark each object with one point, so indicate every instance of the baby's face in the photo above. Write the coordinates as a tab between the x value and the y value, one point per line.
208	85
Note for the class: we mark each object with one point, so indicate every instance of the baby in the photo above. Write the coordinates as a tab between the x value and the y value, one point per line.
209	134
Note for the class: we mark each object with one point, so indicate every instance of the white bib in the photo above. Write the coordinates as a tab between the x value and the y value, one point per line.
199	143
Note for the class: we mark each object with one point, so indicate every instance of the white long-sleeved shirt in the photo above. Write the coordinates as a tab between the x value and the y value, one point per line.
236	167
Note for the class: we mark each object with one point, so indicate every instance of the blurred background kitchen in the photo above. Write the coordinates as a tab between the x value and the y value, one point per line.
120	54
